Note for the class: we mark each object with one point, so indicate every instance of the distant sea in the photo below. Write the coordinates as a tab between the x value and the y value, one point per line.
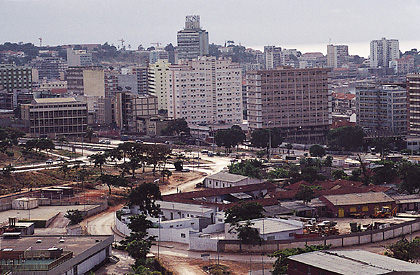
357	48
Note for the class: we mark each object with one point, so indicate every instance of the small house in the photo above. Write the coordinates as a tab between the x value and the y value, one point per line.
224	179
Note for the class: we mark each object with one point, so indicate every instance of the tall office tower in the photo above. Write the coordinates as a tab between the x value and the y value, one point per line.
413	94
157	82
383	51
15	78
382	109
273	57
86	81
205	91
142	82
78	58
49	67
297	101
192	40
337	56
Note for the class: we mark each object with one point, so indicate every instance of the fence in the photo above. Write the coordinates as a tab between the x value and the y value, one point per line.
335	241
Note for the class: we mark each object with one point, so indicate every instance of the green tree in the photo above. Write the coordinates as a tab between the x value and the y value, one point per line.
165	173
409	174
317	150
347	138
280	266
89	133
249	168
260	138
145	196
246	233
65	169
177	127
306	194
99	159
229	138
404	250
244	211
386	172
339	174
112	180
74	215
278	173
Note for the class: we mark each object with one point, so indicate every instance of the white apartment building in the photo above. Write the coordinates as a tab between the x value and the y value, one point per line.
383	51
382	109
337	56
205	91
273	57
157	82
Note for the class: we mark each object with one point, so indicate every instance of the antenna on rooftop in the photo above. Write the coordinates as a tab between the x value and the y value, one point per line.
40	42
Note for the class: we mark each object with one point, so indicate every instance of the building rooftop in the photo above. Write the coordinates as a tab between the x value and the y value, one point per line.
223	176
359	198
75	243
354	262
183	206
273	225
54	100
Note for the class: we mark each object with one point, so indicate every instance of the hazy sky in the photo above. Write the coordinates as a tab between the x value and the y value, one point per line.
308	25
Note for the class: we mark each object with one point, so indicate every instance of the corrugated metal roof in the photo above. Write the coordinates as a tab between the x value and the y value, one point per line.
354	262
223	176
359	198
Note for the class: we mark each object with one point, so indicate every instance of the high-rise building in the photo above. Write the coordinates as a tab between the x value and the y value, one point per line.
337	56
50	67
413	94
297	101
192	40
157	82
142	81
78	58
205	91
15	78
382	109
273	57
55	116
383	51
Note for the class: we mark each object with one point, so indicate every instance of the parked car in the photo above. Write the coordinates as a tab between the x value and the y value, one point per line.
59	159
49	161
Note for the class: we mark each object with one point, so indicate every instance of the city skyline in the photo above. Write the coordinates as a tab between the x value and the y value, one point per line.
305	25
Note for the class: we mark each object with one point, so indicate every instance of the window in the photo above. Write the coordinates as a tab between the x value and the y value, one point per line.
182	235
353	209
365	208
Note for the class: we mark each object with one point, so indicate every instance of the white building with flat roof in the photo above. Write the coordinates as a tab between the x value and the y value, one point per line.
224	179
205	91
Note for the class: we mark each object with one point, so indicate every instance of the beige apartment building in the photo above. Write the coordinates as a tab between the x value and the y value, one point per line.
205	91
413	95
157	82
298	101
54	117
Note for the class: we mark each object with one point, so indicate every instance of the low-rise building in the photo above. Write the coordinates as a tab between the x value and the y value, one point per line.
348	262
224	179
366	203
272	229
51	255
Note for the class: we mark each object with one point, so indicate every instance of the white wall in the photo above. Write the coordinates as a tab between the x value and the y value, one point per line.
89	263
171	235
203	244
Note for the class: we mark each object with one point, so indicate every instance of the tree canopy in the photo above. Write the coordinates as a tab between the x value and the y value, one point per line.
248	168
260	138
177	127
145	196
229	138
317	150
244	211
347	138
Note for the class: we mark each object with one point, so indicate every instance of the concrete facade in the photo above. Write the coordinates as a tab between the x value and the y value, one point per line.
383	51
413	94
157	82
382	109
337	56
205	91
223	179
297	101
192	40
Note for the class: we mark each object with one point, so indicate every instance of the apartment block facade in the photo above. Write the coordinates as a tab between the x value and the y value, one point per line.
383	51
205	91
141	73
337	56
157	82
15	78
382	109
192	41
413	94
55	116
297	101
